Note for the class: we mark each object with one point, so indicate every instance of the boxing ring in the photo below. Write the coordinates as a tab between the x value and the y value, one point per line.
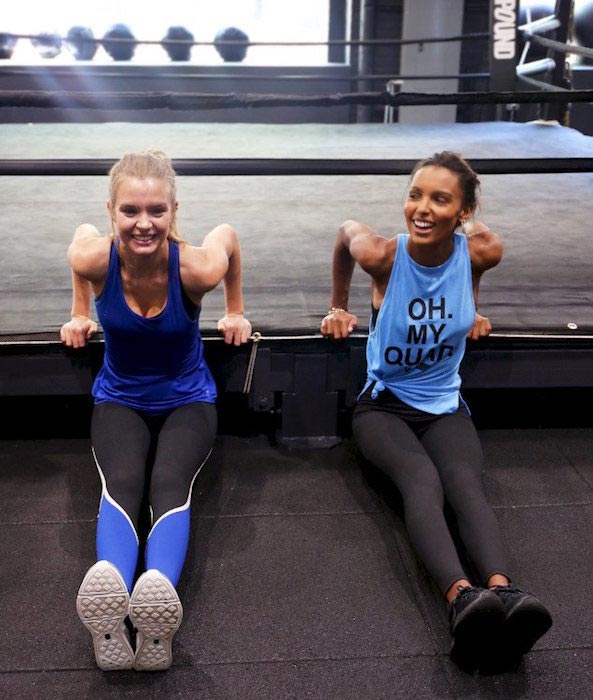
286	189
300	183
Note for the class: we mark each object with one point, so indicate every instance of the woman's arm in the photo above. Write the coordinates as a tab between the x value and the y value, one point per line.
355	243
219	259
485	249
80	328
88	254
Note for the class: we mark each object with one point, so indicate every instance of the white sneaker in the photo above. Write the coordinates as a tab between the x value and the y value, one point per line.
156	612
102	604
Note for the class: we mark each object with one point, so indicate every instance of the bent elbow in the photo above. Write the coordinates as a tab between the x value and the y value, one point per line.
497	248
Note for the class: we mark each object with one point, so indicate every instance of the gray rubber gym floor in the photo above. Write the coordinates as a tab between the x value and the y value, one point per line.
300	581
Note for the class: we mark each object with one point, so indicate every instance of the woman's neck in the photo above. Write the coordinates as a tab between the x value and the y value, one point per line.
431	255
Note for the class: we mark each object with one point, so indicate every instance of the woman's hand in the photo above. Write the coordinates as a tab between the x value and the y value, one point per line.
236	329
481	327
338	323
78	331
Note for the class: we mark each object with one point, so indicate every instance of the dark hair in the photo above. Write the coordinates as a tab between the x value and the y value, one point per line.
469	182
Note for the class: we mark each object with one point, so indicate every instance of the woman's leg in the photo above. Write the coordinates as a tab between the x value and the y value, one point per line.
121	442
120	445
387	442
454	447
476	616
184	443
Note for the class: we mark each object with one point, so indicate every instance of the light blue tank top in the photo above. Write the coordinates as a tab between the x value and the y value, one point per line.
417	342
150	364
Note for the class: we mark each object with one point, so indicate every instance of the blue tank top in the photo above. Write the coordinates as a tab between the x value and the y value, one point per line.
417	342
150	364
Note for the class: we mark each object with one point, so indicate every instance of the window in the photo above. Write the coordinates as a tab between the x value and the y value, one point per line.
261	20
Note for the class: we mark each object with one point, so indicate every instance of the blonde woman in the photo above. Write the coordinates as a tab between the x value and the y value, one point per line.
154	418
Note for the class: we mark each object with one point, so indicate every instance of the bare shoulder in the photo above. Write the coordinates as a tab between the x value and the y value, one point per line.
485	249
201	267
88	253
373	252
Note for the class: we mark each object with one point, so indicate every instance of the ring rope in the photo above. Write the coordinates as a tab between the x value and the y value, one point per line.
294	166
239	42
9	342
204	101
558	45
251	75
541	85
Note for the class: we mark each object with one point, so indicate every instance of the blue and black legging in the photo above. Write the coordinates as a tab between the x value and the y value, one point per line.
429	459
137	453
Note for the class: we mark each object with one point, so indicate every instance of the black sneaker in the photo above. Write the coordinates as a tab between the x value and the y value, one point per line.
527	618
476	621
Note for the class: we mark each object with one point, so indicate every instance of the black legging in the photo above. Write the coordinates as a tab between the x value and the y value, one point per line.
135	450
430	460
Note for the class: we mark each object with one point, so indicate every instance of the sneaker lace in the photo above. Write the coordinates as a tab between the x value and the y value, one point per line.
510	591
464	592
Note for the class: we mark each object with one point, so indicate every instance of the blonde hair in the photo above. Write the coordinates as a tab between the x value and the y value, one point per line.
152	163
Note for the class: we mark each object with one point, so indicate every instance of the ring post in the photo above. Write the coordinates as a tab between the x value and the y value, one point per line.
503	47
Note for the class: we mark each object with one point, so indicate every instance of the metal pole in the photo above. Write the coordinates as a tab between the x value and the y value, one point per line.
564	12
365	56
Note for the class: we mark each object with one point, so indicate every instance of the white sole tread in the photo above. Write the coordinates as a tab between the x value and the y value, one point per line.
156	613
102	604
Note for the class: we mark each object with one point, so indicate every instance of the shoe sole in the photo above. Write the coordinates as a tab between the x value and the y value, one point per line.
526	623
156	613
102	604
478	635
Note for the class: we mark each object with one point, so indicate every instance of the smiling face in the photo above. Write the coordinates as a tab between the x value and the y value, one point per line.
142	213
434	205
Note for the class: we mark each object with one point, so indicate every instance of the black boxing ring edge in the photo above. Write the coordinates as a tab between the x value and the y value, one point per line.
211	101
293	166
306	383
